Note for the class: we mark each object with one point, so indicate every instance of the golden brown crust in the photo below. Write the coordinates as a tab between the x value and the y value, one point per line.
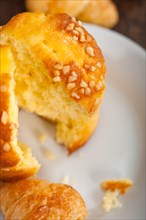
117	185
13	158
38	199
8	157
92	68
17	172
26	167
86	135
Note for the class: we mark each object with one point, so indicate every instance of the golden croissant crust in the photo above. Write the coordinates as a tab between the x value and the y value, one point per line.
41	200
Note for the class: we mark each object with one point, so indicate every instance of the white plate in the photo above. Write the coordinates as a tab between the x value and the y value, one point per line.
117	148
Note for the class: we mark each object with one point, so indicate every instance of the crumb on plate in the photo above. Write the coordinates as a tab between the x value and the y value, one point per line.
50	155
65	179
113	189
111	201
42	137
73	181
80	154
69	181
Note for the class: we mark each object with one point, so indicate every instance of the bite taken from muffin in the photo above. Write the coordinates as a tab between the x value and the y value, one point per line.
60	72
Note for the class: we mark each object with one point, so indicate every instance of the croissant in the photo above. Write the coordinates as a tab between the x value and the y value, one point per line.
40	200
60	72
16	161
101	12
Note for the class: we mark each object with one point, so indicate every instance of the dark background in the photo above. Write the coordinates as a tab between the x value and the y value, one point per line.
132	17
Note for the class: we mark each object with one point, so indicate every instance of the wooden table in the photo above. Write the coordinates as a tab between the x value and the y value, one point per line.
132	17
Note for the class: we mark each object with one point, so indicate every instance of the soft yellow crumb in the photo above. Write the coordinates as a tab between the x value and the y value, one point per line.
50	155
111	201
65	179
114	188
42	137
80	154
73	181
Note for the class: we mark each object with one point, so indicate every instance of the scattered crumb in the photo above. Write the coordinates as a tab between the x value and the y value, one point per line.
69	181
50	155
73	181
42	137
65	180
80	154
121	185
114	188
111	201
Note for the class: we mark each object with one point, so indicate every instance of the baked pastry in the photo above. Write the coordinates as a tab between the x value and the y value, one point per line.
59	73
121	185
39	199
101	12
16	160
71	7
113	190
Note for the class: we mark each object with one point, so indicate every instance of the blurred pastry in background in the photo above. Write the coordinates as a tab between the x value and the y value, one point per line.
101	12
71	7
